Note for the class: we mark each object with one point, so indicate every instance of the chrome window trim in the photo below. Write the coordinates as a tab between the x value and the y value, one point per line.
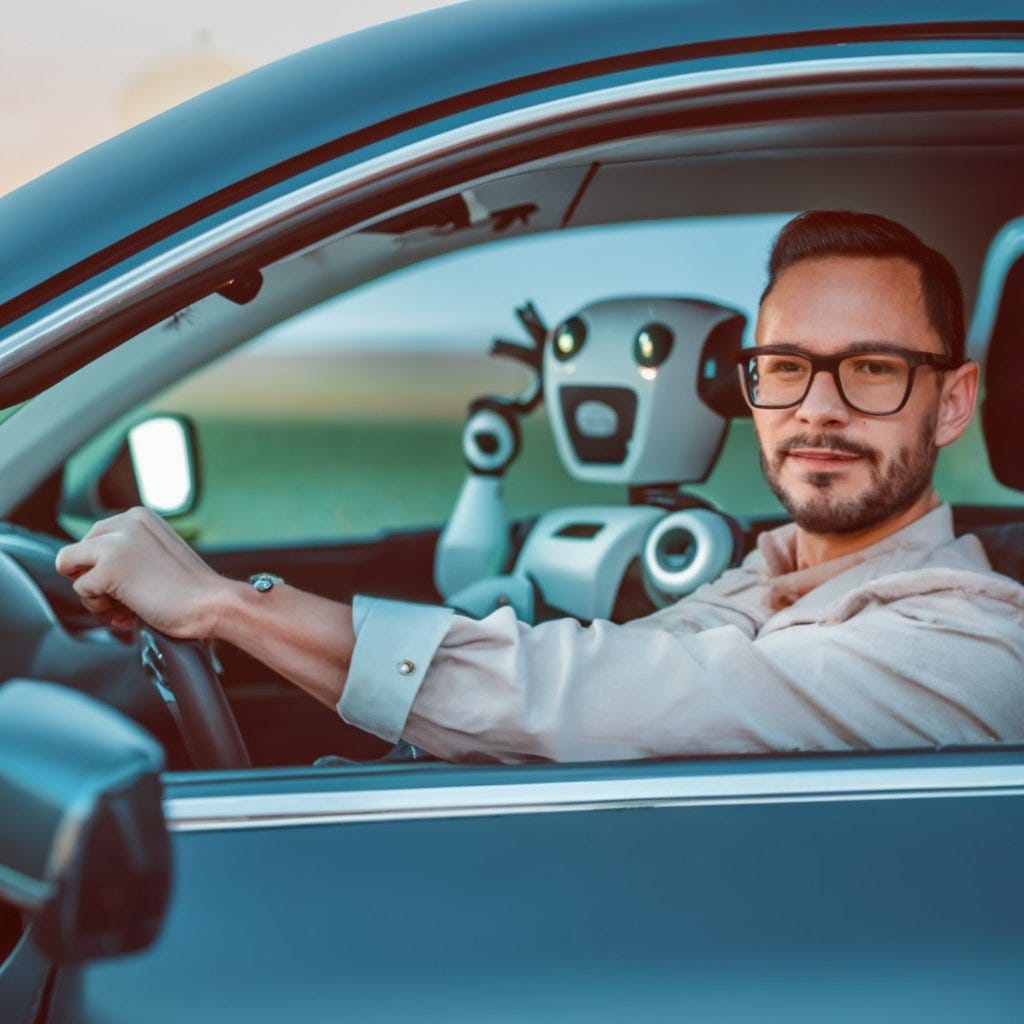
38	338
350	806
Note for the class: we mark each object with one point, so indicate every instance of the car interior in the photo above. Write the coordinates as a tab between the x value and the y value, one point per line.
945	159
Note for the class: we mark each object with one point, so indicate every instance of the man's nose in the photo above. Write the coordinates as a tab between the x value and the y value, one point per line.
823	404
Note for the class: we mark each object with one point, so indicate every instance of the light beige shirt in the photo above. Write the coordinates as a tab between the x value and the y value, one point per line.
911	642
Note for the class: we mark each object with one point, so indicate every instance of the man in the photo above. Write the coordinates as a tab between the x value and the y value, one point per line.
862	624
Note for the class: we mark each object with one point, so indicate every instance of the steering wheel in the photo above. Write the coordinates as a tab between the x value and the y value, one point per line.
185	676
45	633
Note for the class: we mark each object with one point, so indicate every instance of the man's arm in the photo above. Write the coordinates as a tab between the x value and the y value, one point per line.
892	664
134	564
916	659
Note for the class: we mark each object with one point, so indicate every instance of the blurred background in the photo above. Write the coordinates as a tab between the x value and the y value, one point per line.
354	411
74	73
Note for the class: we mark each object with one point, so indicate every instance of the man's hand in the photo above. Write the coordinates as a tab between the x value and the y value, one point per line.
134	564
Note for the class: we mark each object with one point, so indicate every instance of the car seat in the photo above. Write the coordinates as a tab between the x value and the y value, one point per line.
997	342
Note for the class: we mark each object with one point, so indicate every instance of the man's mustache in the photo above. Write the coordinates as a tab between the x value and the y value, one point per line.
826	442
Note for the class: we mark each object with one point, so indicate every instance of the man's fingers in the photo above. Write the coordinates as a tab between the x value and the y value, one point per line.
120	617
134	564
74	559
93	588
117	616
94	591
125	531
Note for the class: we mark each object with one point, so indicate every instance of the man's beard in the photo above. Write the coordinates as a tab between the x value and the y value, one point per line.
893	489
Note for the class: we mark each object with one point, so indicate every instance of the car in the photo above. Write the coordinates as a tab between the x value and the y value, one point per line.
283	295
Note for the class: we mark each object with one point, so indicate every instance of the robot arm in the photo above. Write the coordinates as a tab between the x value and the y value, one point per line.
473	547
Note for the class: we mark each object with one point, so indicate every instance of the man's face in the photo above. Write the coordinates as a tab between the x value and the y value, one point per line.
834	469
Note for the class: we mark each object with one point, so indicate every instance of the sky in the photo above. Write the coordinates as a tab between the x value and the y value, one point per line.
76	72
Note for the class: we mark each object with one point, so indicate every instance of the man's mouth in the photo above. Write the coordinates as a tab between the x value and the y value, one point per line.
822	458
815	453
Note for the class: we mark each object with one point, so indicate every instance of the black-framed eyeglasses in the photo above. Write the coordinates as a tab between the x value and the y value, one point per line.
876	382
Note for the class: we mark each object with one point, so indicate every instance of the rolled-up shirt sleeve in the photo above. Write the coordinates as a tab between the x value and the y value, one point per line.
395	643
912	642
884	670
878	668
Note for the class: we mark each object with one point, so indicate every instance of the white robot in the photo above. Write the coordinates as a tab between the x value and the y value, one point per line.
639	392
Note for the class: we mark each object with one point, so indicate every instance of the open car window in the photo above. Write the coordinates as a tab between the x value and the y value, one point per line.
346	421
327	368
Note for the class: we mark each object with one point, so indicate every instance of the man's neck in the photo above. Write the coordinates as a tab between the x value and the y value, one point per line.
815	548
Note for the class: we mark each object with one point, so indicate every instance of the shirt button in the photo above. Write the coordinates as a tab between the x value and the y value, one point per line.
406	667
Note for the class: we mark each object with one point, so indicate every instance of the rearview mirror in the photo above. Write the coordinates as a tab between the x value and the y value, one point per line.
83	843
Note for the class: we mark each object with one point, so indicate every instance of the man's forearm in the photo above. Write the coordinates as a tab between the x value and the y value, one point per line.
305	638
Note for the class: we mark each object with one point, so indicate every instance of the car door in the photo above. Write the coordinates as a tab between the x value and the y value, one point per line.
803	889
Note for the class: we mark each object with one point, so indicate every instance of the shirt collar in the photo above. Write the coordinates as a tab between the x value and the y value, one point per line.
778	548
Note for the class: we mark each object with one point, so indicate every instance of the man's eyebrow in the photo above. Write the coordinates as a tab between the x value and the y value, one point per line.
854	349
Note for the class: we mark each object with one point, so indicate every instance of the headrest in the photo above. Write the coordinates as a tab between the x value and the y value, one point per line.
639	390
997	340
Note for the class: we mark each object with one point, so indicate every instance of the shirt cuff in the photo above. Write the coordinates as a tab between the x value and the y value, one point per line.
395	642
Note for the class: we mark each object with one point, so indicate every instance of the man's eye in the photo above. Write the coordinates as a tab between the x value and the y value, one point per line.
783	367
875	367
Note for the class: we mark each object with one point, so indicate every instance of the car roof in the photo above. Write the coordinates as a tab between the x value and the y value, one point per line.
282	123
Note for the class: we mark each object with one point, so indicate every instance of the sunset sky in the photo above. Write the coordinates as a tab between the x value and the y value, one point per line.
74	73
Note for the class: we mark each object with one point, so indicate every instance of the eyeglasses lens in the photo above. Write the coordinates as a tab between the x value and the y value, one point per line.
873	382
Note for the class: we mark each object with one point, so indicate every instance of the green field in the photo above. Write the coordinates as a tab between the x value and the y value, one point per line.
295	450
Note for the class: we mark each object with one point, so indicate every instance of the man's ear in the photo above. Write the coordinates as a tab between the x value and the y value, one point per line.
956	403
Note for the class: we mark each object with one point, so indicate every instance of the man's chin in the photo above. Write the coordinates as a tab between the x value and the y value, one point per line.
824	503
835	520
828	512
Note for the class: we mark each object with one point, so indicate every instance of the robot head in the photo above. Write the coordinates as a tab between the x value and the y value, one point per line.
639	390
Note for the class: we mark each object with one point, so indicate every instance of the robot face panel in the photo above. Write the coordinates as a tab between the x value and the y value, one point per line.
627	384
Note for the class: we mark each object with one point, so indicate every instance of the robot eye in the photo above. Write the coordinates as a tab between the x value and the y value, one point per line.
569	338
652	345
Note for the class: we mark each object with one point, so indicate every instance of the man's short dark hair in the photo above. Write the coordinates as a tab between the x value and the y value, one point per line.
820	233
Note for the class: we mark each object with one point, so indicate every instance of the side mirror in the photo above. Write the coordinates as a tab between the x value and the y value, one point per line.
154	464
162	451
83	843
